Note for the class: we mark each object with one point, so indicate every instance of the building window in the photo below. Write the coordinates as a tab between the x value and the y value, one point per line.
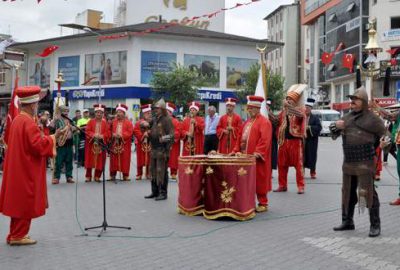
277	18
338	93
395	22
331	67
281	35
346	91
351	7
272	23
332	18
2	77
281	17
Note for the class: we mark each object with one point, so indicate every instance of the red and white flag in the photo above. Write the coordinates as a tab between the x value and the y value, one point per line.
13	111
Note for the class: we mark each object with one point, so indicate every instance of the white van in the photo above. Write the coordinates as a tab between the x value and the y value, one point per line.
327	117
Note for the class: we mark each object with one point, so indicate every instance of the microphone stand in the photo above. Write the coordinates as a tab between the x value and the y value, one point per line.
104	225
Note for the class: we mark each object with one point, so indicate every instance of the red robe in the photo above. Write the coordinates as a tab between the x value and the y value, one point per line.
236	124
290	151
142	158
176	147
198	136
259	141
90	157
24	191
121	161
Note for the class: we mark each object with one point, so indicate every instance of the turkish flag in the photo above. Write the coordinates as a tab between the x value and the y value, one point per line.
393	52
13	111
348	61
326	58
393	62
47	51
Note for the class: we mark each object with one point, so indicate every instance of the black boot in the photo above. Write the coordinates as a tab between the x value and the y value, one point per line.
154	191
375	228
347	220
161	197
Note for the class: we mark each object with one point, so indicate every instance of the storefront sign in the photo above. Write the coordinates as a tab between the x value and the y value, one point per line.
137	93
391	35
382	102
353	24
87	94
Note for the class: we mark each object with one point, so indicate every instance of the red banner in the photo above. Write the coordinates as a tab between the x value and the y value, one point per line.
382	102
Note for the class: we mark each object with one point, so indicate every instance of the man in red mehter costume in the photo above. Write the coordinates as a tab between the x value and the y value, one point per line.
193	132
121	144
228	128
142	143
176	147
291	132
97	133
24	192
255	139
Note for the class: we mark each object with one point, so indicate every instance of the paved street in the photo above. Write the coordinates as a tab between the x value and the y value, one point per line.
295	234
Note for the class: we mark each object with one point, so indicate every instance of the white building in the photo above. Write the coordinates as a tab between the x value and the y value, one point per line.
387	13
129	12
125	65
284	26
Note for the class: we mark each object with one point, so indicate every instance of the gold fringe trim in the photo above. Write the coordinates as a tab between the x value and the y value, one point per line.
231	215
196	211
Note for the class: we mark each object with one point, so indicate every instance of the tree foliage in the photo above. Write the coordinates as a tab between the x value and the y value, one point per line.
274	84
179	86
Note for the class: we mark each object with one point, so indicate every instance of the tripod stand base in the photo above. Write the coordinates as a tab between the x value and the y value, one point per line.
104	227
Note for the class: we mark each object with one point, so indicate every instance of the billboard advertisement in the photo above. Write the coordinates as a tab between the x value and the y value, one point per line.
208	68
39	72
69	67
108	68
236	71
155	62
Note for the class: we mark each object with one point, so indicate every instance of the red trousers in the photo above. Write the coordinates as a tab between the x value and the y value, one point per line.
97	173
19	228
173	171
262	199
290	154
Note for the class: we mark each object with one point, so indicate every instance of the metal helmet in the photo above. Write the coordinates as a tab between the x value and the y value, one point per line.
360	93
160	104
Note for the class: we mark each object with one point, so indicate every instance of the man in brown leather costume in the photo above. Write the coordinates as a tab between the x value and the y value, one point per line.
161	140
362	131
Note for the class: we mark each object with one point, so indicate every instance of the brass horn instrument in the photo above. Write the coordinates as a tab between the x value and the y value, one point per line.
228	142
190	143
118	144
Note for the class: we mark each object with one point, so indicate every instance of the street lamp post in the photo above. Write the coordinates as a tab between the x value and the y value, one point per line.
89	30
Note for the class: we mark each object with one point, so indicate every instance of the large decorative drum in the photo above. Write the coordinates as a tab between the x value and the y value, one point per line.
217	186
230	187
190	185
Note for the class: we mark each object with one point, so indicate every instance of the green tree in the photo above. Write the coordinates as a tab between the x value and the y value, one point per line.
179	86
274	84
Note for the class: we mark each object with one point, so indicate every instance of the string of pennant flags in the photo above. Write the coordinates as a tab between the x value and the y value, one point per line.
15	0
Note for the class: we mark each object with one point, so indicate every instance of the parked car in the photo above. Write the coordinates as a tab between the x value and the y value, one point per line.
327	117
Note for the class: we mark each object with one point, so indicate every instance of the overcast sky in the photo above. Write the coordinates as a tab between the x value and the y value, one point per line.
27	20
